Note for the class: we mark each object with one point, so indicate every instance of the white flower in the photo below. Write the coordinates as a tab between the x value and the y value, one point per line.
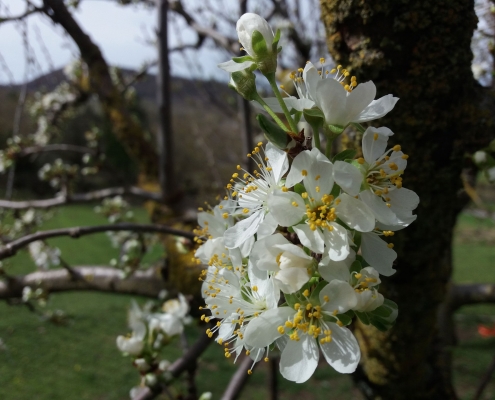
174	317
313	214
253	193
491	174
44	255
290	264
479	157
347	291
134	344
306	330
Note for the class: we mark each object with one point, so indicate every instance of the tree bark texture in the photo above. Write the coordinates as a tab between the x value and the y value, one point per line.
420	52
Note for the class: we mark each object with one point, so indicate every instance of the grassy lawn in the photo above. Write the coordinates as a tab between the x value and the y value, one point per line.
80	360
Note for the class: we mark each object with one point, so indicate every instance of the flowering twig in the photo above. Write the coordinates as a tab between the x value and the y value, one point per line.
81	198
75	232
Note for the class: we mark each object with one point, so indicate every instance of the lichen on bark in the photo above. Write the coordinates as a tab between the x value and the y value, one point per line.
420	52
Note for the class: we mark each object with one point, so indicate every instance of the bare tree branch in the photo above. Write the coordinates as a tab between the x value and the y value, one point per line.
463	295
30	10
54	147
230	44
238	380
11	248
81	198
89	278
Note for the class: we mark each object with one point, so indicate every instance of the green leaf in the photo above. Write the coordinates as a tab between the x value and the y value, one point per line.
335	191
357	239
242	59
315	294
382	311
259	44
344	155
291	299
345	318
274	133
380	324
390	304
362	261
355	267
363	317
299	188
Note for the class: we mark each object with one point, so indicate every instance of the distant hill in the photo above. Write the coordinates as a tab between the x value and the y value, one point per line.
210	92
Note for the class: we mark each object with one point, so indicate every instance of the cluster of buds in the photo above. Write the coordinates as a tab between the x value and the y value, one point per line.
153	327
58	174
297	249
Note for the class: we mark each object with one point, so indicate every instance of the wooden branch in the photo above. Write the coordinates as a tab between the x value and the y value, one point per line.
27	151
238	380
11	248
88	278
463	295
81	198
30	10
230	44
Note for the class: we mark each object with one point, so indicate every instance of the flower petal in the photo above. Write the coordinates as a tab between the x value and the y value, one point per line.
232	66
355	213
281	205
348	177
359	99
299	359
378	255
382	213
342	353
337	242
374	148
311	239
331	99
262	330
377	108
341	297
243	230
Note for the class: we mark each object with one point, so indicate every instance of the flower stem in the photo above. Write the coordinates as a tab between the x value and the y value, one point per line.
279	122
316	135
328	149
271	79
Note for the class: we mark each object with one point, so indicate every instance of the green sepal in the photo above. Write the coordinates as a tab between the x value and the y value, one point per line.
299	188
290	229
315	294
276	39
335	191
258	42
314	117
242	59
337	129
363	317
359	127
274	133
346	318
344	155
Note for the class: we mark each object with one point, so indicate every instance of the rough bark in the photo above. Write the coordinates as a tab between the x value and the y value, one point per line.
420	52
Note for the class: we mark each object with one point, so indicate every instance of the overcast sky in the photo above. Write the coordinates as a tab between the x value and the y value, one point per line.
121	32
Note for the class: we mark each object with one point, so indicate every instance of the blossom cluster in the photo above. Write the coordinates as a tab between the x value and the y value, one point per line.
299	246
152	329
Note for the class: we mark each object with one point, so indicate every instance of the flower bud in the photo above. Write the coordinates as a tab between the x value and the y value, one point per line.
258	40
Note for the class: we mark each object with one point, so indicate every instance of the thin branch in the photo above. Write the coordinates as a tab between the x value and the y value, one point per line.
485	380
463	295
227	43
81	198
238	380
11	248
85	278
27	13
54	147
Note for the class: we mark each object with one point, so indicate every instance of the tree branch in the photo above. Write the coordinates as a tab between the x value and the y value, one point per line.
94	278
11	248
238	380
54	147
463	295
81	198
30	10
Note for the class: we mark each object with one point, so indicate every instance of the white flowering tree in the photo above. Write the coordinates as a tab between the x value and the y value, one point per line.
298	261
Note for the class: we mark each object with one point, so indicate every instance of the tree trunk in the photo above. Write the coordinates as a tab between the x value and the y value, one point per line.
420	52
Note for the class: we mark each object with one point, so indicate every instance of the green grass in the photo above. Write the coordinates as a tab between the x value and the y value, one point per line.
80	360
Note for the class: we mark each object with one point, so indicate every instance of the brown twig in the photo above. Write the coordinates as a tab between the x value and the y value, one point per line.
11	248
81	198
27	151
